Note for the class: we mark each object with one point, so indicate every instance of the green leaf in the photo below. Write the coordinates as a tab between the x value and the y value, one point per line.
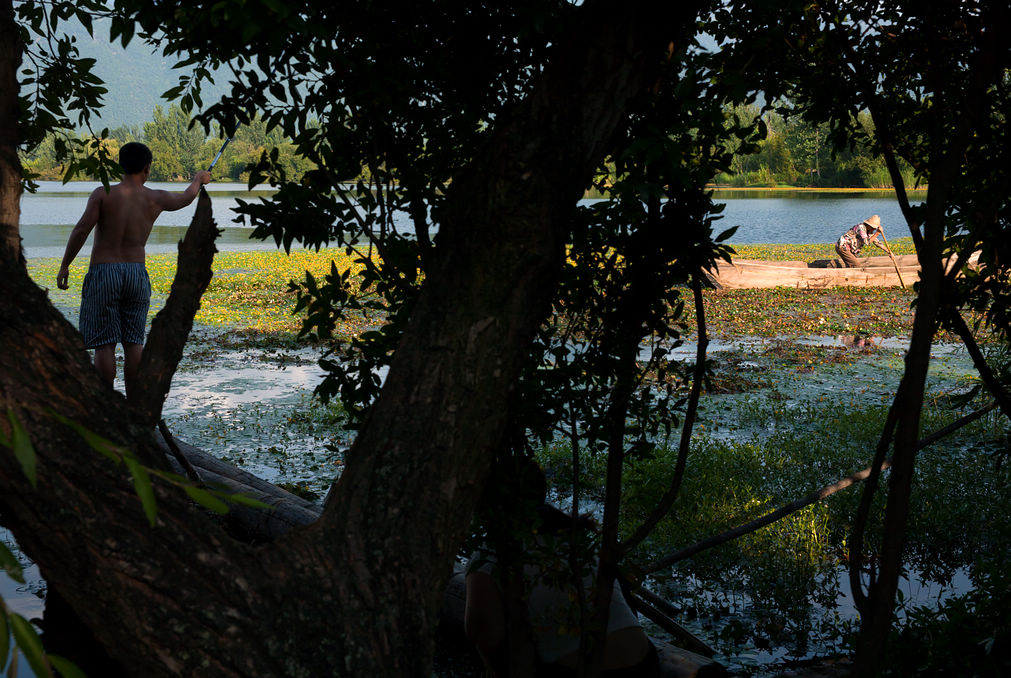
67	668
206	499
142	486
102	445
127	32
22	446
245	500
9	563
86	21
30	644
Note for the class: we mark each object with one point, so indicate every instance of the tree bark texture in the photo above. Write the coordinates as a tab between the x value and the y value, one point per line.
11	49
431	435
358	592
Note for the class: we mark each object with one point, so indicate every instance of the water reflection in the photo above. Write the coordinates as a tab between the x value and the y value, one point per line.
858	340
794	614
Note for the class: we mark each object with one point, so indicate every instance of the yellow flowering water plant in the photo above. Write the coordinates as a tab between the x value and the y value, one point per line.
249	289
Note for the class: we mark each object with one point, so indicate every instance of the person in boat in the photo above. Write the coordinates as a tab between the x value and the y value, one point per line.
530	575
117	292
852	241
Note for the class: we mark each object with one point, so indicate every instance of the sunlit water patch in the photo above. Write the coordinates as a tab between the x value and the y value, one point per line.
255	408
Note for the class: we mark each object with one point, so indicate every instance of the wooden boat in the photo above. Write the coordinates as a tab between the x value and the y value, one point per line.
820	274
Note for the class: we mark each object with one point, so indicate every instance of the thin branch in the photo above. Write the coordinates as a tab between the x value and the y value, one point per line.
990	380
817	495
670	496
170	441
171	327
662	613
856	544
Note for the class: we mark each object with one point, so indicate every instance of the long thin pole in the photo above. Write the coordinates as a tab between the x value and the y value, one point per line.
887	249
223	146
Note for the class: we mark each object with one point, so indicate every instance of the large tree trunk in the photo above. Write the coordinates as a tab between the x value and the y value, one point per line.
10	167
357	592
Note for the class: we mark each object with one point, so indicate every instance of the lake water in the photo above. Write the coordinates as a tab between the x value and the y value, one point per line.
48	216
799	217
792	217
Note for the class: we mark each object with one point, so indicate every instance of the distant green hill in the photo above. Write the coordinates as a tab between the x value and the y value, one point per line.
134	76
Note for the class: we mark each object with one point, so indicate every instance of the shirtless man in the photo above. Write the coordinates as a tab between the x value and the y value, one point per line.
116	291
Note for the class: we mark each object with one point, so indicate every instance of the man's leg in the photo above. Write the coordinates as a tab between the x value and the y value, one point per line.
848	257
105	362
132	360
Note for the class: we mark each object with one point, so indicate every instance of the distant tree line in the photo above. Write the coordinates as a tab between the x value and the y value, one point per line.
793	152
796	152
179	149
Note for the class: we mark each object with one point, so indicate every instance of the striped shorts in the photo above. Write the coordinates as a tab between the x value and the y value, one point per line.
114	303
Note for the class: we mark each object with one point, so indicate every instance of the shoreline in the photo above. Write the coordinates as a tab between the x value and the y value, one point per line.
810	189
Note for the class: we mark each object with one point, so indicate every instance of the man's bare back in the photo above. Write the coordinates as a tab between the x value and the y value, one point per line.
124	217
116	293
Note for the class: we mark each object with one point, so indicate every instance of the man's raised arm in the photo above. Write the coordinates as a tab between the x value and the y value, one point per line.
171	201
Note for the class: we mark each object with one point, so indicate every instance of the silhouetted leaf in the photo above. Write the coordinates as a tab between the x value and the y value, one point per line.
142	485
22	446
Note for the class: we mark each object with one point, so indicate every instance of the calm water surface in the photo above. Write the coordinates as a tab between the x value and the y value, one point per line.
761	217
48	216
805	217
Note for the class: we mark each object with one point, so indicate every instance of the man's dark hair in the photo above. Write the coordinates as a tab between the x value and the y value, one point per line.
134	157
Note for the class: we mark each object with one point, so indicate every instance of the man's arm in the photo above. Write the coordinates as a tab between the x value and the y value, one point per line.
170	201
79	235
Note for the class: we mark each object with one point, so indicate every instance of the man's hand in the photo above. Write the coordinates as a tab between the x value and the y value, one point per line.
203	176
63	278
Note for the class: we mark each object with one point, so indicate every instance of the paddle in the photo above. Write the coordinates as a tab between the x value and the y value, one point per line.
223	146
892	256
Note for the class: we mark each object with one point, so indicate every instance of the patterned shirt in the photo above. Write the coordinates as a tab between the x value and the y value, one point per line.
855	238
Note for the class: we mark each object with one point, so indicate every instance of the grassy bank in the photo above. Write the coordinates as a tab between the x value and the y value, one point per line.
812	251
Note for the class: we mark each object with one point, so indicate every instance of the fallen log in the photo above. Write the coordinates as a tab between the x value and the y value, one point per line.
286	509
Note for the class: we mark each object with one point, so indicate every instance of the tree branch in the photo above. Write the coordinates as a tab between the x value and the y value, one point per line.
990	379
171	327
670	496
11	51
